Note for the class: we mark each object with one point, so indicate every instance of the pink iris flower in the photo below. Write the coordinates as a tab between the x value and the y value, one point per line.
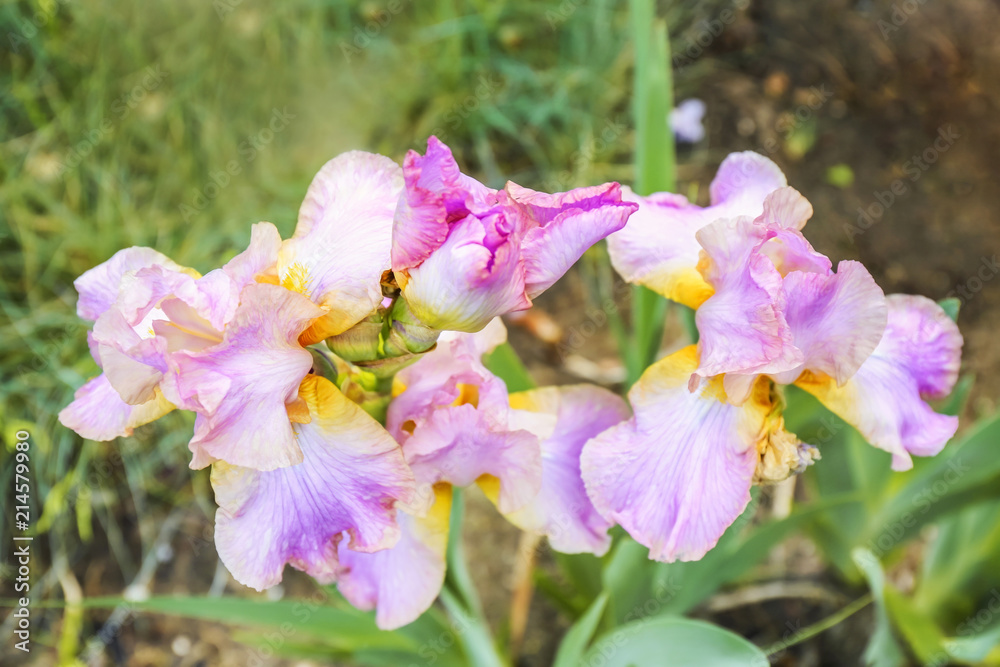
463	253
770	311
296	465
458	426
303	475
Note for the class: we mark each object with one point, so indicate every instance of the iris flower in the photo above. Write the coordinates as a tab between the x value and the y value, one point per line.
463	253
458	426
382	260
296	464
771	311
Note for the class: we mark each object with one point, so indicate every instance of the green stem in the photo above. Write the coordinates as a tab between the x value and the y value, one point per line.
461	600
655	164
458	578
820	626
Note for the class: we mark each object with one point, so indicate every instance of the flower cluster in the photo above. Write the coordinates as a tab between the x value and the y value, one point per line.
340	391
771	311
290	356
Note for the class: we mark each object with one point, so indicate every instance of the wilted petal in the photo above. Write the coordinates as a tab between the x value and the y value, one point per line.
837	320
402	582
918	358
342	241
658	249
562	510
240	386
561	227
678	473
351	473
98	412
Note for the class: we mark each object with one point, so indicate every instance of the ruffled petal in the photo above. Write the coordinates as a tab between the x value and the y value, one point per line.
240	387
401	583
562	510
98	412
98	287
450	374
742	326
133	364
837	320
658	249
561	227
343	238
460	444
437	193
918	358
451	415
259	259
786	212
678	473
469	279
351	474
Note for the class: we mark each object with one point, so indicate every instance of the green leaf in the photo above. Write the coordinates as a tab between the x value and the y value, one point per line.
575	642
736	553
958	562
472	633
882	650
974	649
678	642
505	364
964	473
345	629
955	403
652	101
628	579
919	630
951	306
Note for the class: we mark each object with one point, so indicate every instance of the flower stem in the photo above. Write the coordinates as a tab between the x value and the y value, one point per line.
461	600
820	626
655	164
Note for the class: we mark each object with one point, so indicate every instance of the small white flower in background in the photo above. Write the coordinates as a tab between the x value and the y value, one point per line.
686	121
